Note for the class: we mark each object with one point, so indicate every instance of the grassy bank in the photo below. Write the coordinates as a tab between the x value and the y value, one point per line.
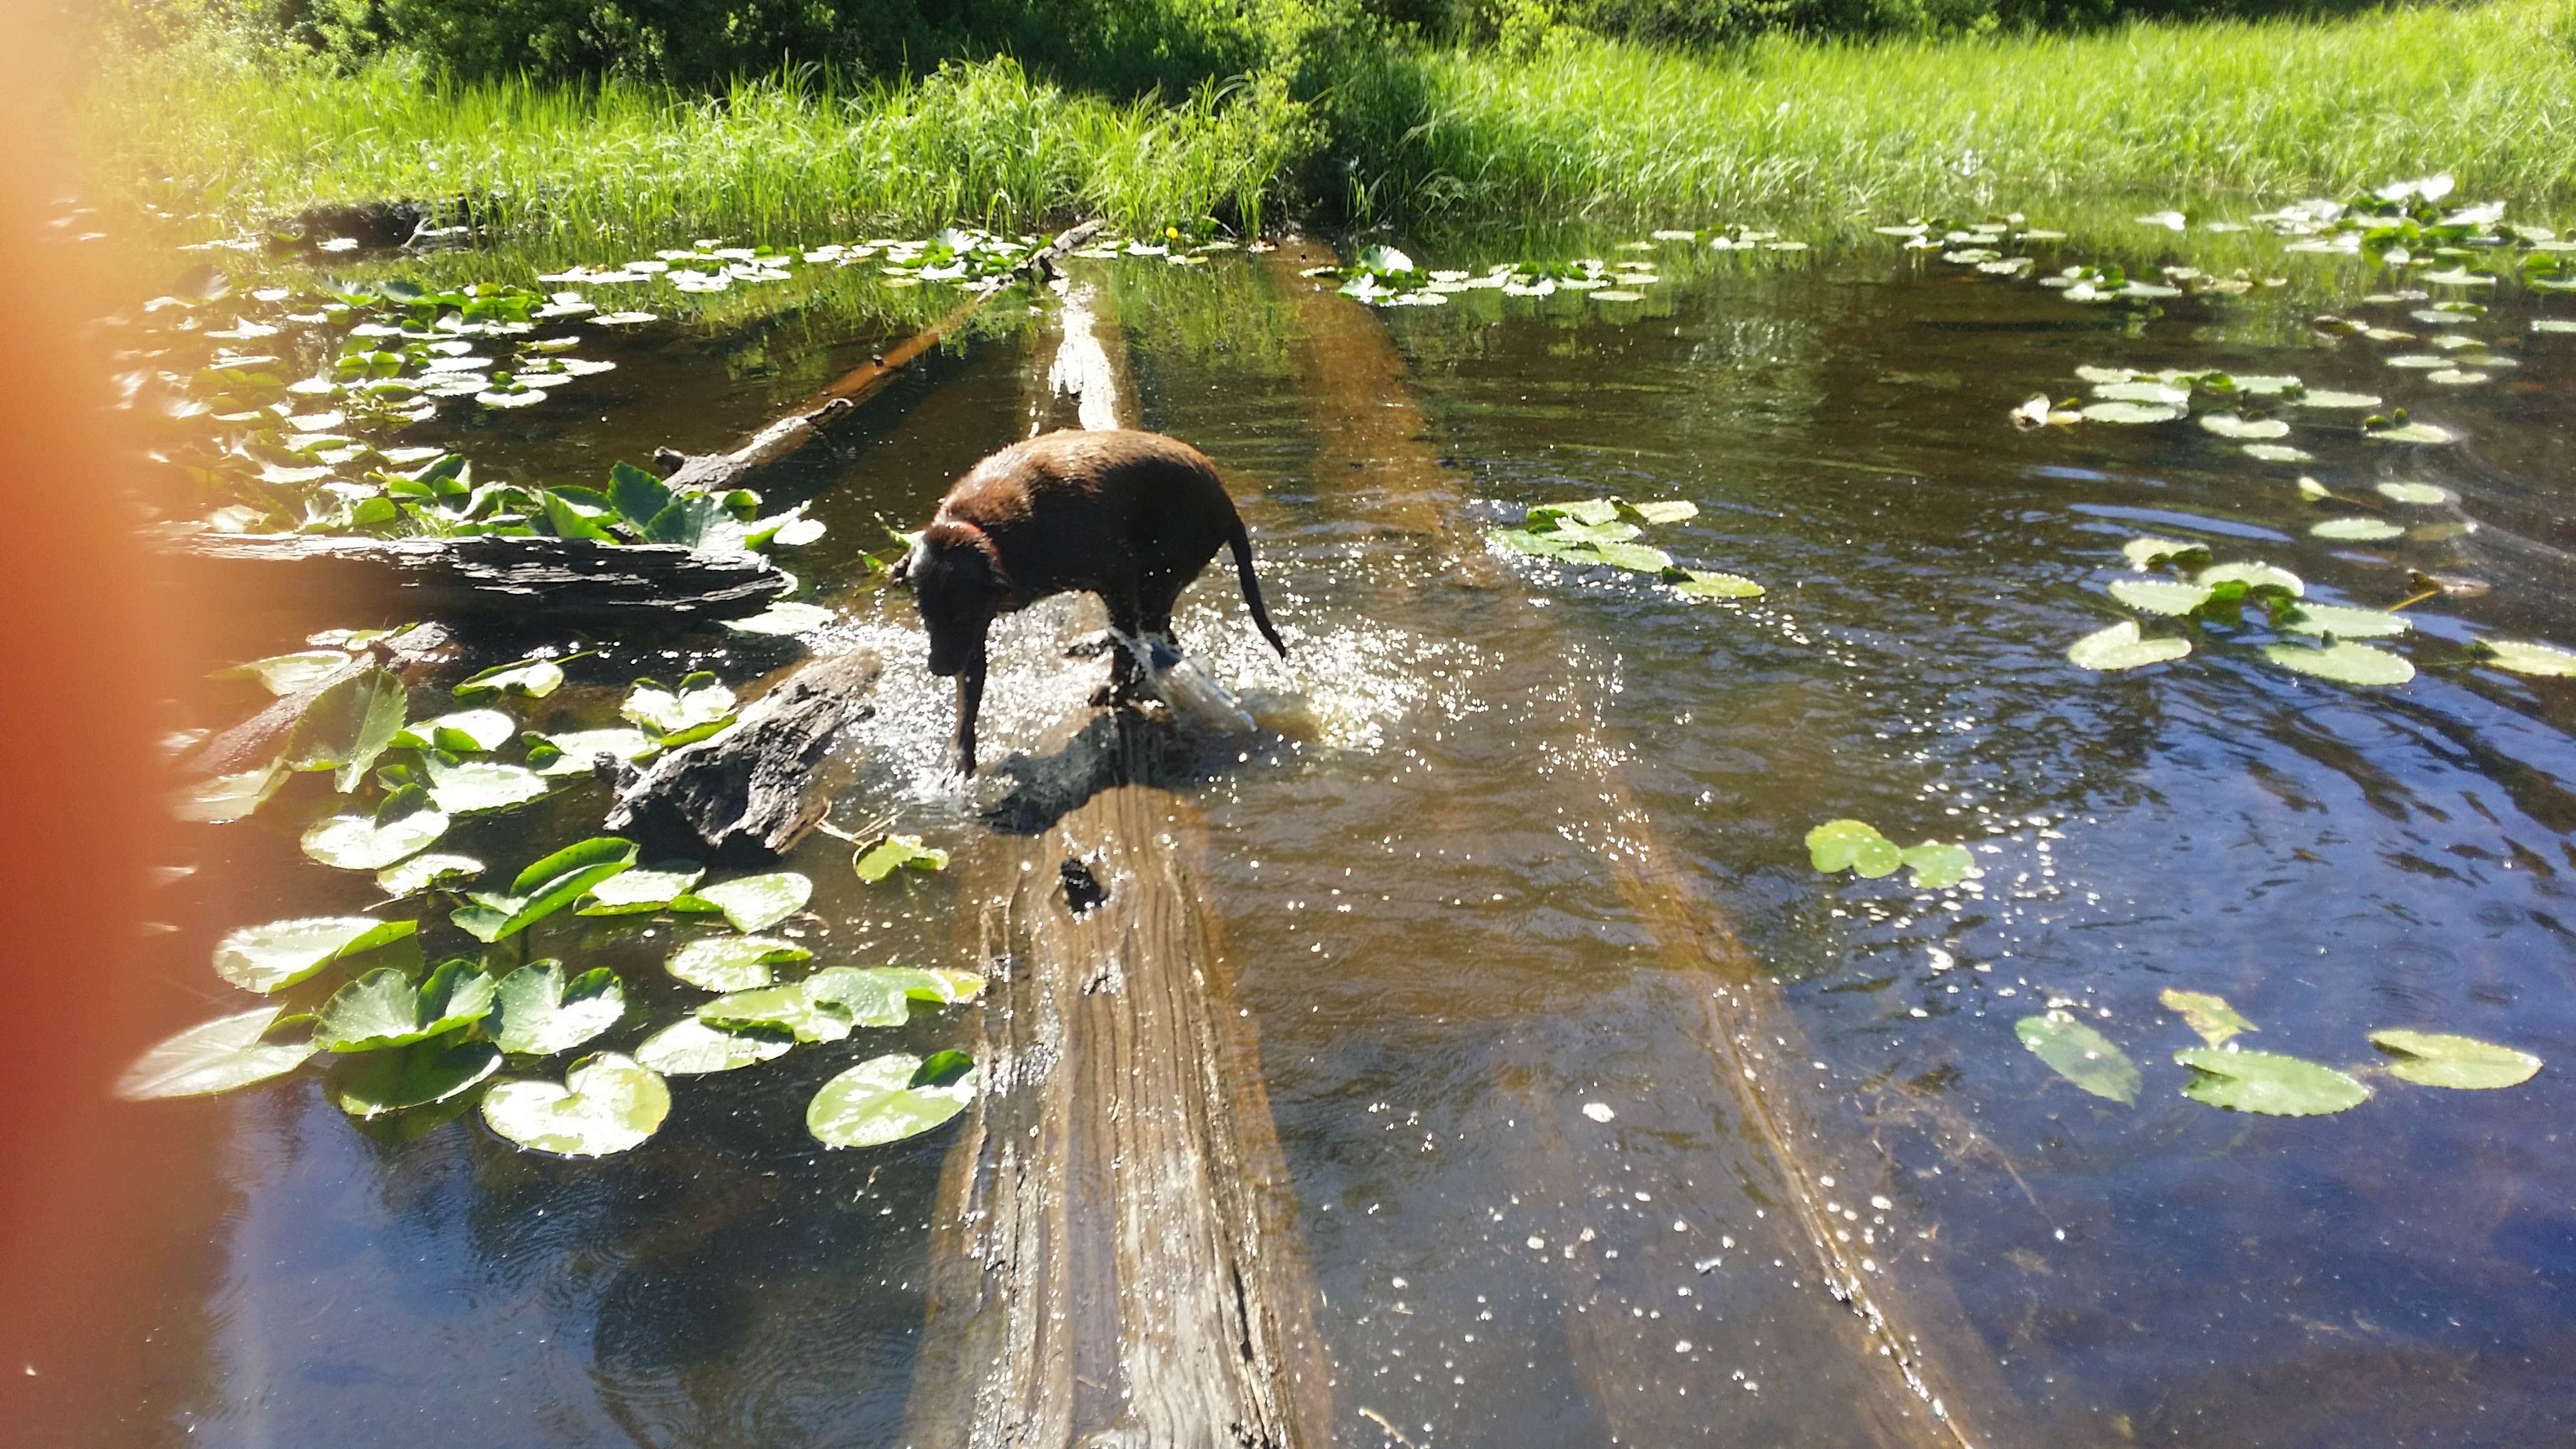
1777	129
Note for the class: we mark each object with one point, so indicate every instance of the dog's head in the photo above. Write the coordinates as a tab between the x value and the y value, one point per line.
959	585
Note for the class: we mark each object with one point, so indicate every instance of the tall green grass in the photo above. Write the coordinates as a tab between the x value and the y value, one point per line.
1779	129
1783	126
795	155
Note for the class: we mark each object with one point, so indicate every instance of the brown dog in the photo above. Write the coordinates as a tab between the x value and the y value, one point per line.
1129	516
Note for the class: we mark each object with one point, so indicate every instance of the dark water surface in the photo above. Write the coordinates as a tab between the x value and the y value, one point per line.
1537	1215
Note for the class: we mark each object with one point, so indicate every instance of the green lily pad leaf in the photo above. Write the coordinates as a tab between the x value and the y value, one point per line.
2276	453
784	618
787	1008
2312	491
2546	661
732	963
1705	584
267	957
384	1009
894	853
2209	1015
753	902
538	1013
2345	623
284	674
2229	425
2081	1055
2419	493
222	799
2411	433
2145	390
1593	511
467	731
632	891
2363	530
2254	576
693	710
213	1056
2160	596
468	786
2265	384
545	887
528	678
418	1075
885	1100
2146	553
1939	863
2437	1059
405	825
2267	1083
2342	663
1836	845
606	1103
1672	511
689	1047
1543	545
346	726
1633	557
2341	401
881	996
577	752
2129	412
2122	647
425	872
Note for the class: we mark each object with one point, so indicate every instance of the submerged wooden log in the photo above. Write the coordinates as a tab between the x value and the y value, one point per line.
718	472
758	788
1114	1266
538	583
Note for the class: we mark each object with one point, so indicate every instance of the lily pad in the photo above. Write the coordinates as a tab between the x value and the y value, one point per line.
284	674
213	1056
577	752
606	1103
2344	623
278	954
2267	1083
2129	412
690	1047
2362	530
1705	584
2146	553
2341	401
545	887
2424	494
467	731
1592	511
1634	557
697	707
465	787
2081	1055
786	1008
2276	453
2210	1016
894	853
784	618
538	1013
530	678
422	872
2229	425
2411	433
2343	663
404	826
1939	863
888	1099
222	799
384	1009
753	902
732	963
2146	390
2122	647
2160	596
1675	510
2546	661
1853	845
2253	576
374	1083
2437	1059
630	892
347	725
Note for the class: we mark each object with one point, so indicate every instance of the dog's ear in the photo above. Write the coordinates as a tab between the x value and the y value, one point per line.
967	562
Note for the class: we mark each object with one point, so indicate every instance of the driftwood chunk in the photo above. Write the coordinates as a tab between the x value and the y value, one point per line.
533	583
756	789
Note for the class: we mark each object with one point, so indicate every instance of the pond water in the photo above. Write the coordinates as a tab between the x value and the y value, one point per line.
1514	889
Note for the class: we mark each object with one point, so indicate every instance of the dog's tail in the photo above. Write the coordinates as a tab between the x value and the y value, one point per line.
1241	543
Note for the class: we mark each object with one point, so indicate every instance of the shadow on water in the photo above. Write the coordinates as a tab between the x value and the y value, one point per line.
1535	1217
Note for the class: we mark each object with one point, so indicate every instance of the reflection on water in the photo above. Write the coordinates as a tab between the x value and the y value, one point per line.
1535	1216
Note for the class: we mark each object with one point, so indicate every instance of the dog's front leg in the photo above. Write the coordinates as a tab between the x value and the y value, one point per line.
970	700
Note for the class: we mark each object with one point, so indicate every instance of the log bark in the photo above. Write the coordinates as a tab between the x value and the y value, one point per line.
1114	1265
537	583
758	788
717	472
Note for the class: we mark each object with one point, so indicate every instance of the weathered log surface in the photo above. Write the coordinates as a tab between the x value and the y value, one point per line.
538	583
1114	1265
758	788
717	472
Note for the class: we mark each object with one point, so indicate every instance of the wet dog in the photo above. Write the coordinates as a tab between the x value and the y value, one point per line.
1129	516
